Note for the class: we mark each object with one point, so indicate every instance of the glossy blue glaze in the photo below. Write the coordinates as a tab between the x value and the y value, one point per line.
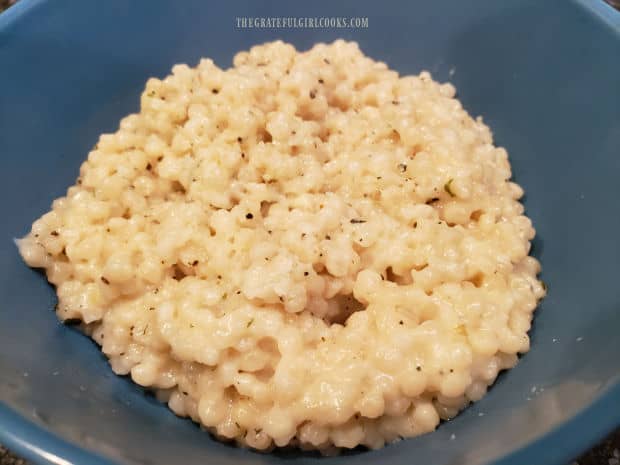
546	77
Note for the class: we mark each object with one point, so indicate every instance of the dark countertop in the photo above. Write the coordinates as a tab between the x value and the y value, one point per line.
605	453
6	458
4	4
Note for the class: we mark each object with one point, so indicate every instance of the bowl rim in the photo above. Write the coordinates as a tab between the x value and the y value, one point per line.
557	446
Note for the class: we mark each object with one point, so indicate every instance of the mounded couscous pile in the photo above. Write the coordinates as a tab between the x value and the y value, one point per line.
305	249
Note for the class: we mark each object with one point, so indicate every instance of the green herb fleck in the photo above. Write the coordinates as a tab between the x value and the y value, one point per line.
448	188
250	323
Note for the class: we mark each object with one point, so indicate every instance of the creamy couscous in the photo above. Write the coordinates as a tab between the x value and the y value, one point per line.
305	249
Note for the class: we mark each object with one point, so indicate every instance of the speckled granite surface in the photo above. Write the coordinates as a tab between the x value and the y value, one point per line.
6	458
4	4
605	453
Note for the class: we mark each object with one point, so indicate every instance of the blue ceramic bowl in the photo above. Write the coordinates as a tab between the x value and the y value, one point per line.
546	77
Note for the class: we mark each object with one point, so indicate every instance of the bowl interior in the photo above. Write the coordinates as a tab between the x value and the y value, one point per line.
543	76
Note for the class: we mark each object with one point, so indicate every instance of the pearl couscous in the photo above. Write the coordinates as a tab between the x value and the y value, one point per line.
305	249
